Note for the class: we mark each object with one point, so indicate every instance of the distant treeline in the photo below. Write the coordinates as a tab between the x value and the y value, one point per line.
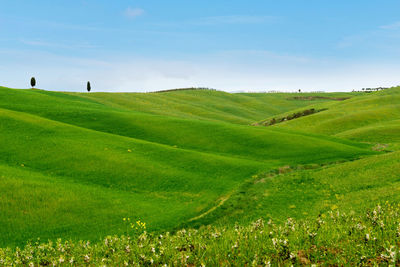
185	89
317	97
369	90
290	117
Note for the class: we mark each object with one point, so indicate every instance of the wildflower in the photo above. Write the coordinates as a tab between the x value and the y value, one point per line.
235	245
360	227
312	235
379	208
151	260
61	259
398	230
258	224
274	241
216	235
366	238
31	264
127	249
71	260
320	221
153	250
86	258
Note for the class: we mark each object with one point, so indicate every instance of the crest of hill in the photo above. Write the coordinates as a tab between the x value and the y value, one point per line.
239	108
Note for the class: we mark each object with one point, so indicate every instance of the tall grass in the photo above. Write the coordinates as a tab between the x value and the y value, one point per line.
332	238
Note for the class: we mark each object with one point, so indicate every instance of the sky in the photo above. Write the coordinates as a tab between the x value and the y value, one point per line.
231	45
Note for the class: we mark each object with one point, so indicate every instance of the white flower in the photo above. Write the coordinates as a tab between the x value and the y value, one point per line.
87	258
235	245
366	237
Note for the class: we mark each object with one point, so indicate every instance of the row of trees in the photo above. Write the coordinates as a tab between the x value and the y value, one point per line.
33	84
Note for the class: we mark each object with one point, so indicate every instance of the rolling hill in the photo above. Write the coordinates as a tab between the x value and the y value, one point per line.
72	165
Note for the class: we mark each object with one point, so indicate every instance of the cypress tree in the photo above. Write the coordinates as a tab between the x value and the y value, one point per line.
33	82
88	87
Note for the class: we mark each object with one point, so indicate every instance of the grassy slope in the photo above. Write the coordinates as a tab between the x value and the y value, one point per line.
370	118
350	186
243	108
353	185
112	161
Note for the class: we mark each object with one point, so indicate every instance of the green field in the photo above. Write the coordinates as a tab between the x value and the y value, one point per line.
72	165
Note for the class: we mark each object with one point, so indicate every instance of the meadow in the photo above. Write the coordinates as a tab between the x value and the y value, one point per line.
72	165
335	238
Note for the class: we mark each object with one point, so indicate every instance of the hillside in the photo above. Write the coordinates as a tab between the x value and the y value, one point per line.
373	117
77	163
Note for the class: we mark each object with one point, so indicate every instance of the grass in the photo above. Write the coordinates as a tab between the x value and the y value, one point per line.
367	238
369	118
72	165
306	191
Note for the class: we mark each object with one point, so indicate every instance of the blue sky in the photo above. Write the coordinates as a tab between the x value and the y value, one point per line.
254	45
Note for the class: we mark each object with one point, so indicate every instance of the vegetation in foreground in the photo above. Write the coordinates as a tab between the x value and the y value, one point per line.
333	238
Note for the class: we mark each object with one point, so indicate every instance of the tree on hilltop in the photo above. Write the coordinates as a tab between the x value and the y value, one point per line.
33	82
88	87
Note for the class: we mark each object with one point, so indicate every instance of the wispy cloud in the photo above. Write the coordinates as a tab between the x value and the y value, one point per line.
393	26
235	19
133	12
43	43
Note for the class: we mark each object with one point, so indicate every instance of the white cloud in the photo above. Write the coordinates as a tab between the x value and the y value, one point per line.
43	43
234	19
229	71
392	26
133	12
